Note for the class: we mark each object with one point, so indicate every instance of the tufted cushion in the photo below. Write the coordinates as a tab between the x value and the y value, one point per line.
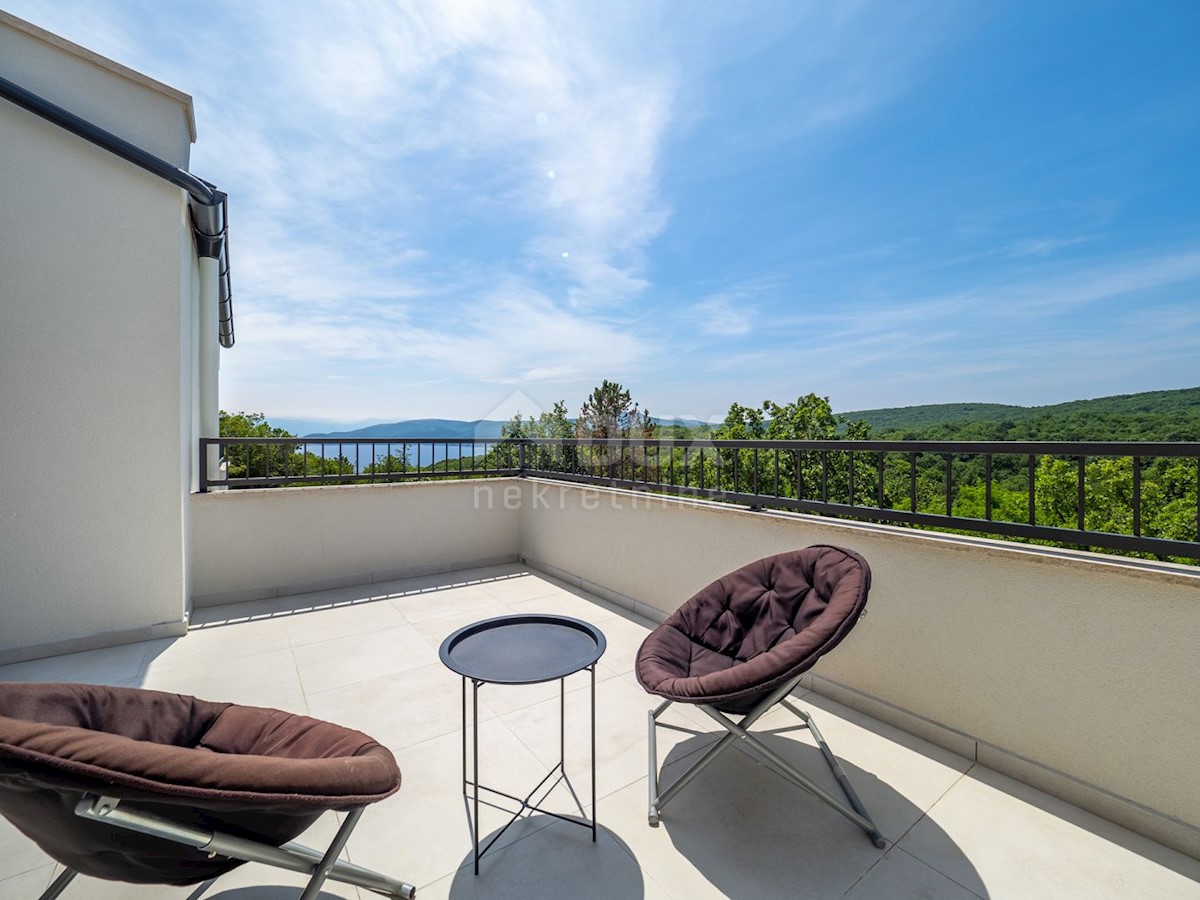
258	773
755	628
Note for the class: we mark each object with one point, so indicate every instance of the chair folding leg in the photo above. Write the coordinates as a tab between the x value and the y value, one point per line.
58	885
856	812
320	866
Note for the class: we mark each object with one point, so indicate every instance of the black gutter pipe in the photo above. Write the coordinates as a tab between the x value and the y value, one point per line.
209	206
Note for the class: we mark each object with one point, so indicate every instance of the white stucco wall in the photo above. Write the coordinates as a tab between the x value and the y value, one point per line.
132	106
1082	664
95	297
260	543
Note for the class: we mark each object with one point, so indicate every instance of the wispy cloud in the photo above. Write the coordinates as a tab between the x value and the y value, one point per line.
731	312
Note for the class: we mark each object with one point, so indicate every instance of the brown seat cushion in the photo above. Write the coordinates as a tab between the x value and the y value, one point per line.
259	773
755	628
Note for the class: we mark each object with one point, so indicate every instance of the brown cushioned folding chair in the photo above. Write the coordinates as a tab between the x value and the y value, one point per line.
741	645
148	787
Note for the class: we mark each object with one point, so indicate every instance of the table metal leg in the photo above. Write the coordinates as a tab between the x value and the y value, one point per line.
471	774
464	734
592	669
475	768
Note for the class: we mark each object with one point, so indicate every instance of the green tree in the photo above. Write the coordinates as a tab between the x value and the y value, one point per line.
610	413
552	424
271	460
801	474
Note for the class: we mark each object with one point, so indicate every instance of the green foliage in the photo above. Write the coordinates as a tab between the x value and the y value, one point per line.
1150	416
284	460
611	413
792	473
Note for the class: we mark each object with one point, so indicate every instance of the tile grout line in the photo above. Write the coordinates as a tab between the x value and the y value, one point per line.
940	872
925	815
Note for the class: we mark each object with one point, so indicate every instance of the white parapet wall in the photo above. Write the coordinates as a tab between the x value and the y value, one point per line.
252	544
1071	671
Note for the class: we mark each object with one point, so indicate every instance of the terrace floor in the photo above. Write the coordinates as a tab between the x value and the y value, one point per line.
366	657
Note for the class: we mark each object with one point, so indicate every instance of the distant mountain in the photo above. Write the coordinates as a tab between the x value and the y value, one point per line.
1151	415
454	429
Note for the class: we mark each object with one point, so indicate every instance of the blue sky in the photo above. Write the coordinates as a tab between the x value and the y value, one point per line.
452	209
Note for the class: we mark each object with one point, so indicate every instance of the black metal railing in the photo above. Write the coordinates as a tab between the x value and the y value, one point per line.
270	462
1124	496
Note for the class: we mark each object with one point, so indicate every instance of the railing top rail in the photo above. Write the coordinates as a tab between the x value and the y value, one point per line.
1036	448
349	441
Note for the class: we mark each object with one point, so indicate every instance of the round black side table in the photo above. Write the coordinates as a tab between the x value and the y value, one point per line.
522	649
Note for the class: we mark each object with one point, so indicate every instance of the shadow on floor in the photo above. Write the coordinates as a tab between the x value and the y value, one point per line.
551	863
262	892
751	834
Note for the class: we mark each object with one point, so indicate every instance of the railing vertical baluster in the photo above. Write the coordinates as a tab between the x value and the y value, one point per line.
912	482
320	474
1032	491
1080	495
266	460
1137	496
850	474
987	490
798	461
686	473
949	485
701	464
736	459
756	471
824	476
879	479
671	465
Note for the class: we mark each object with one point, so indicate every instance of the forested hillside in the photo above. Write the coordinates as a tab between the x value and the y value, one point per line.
1149	416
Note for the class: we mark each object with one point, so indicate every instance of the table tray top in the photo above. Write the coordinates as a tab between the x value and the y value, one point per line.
522	649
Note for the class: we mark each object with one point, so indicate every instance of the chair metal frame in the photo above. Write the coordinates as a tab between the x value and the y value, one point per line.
321	866
739	731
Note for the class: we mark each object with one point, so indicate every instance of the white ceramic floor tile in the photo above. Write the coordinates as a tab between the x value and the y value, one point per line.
624	634
397	710
737	831
569	602
27	885
112	665
505	698
436	630
737	834
899	876
556	862
343	620
18	854
266	679
432	604
361	657
423	832
216	644
621	734
1001	838
516	588
897	776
